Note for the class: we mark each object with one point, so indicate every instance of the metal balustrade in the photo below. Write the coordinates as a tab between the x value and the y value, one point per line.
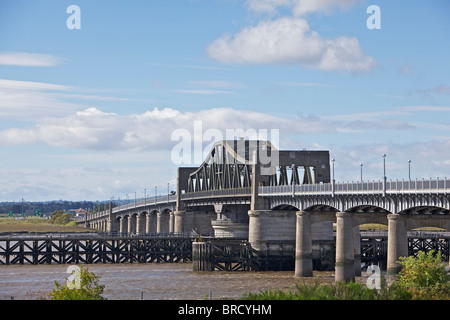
392	186
217	193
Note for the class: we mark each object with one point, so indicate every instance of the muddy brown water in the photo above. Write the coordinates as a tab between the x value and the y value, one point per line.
148	281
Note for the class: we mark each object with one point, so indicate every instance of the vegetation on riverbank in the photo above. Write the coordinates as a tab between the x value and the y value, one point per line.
59	222
82	285
421	278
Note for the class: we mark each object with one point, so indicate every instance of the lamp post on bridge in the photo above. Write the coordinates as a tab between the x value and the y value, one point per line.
384	174
332	181
409	170
361	165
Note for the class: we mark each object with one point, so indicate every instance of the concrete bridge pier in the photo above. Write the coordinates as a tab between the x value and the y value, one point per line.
272	231
357	250
131	223
189	220
150	223
303	245
397	242
179	217
112	225
123	225
140	223
345	259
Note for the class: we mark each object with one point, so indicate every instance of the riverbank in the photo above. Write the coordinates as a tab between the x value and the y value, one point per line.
35	225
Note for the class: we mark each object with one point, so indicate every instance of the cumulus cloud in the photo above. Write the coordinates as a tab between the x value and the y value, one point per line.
289	40
93	129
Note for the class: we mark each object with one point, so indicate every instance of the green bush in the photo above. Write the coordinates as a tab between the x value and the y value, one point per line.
317	291
86	287
424	277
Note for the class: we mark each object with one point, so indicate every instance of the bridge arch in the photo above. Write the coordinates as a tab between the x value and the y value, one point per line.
426	216
285	207
141	221
165	221
151	221
122	222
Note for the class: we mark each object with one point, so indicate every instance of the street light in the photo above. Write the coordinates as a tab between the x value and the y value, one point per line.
332	181
409	169
384	175
332	161
361	165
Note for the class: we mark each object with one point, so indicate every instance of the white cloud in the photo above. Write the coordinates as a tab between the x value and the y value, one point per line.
30	85
29	59
93	129
299	7
289	40
28	100
302	7
205	91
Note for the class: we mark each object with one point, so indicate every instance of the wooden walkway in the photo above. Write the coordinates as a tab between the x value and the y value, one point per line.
76	250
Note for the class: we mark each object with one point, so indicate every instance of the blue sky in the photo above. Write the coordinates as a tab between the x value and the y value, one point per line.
89	113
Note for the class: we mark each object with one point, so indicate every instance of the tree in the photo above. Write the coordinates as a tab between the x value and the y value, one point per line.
425	277
84	286
61	218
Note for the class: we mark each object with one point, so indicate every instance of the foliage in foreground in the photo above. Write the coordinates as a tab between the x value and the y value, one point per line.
421	278
85	287
425	277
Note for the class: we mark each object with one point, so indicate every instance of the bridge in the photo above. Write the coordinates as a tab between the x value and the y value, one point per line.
284	200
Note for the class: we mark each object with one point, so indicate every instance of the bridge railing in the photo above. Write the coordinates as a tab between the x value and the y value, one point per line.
392	186
158	200
217	193
162	199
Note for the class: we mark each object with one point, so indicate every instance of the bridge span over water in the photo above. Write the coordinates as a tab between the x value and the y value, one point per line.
284	200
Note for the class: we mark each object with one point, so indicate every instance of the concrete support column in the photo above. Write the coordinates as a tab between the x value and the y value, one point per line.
397	242
345	264
109	226
171	222
131	224
357	250
179	221
303	245
123	225
271	231
150	223
162	222
140	223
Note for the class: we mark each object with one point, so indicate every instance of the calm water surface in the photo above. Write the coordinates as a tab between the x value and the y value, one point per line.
152	281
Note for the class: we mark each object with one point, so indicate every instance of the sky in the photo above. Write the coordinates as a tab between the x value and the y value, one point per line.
97	97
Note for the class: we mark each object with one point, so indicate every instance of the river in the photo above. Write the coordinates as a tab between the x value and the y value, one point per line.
151	281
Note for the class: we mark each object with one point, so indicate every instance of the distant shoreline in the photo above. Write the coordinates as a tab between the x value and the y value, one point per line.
8	226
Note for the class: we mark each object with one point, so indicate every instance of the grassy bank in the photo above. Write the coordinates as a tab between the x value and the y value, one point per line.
423	278
35	225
